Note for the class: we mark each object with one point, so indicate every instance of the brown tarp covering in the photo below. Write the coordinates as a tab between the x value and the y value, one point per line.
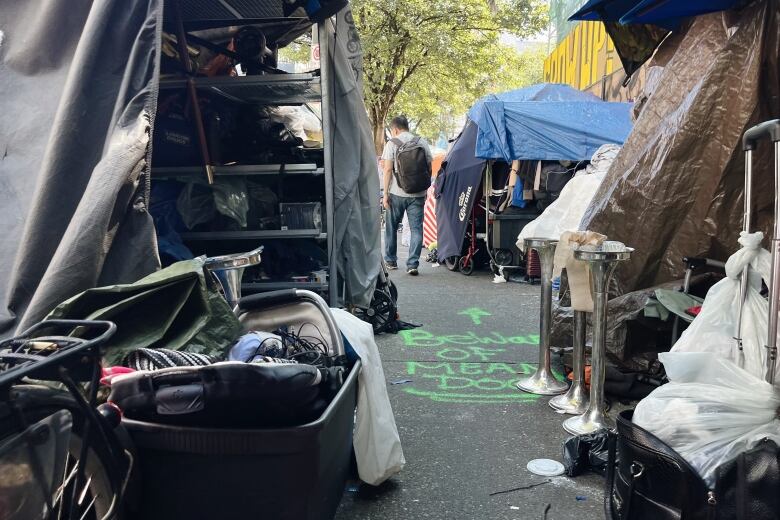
676	188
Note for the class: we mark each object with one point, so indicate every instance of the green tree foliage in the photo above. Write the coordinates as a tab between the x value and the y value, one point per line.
431	60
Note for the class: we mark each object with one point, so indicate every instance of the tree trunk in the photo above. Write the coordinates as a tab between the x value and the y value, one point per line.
379	136
377	116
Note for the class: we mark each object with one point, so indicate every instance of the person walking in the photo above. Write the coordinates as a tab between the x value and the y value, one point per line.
406	161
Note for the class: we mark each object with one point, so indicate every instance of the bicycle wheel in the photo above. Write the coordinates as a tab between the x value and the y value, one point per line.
466	266
393	290
95	495
452	263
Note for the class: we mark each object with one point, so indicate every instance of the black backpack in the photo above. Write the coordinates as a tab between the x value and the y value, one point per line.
411	167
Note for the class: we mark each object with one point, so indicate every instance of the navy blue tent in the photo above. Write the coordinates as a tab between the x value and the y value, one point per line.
456	187
547	122
541	122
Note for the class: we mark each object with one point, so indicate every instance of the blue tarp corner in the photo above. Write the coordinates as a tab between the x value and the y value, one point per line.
547	122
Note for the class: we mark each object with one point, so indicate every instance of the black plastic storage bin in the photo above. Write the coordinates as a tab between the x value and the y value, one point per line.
280	474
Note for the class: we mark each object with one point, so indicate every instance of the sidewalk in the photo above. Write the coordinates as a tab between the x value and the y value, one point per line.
466	431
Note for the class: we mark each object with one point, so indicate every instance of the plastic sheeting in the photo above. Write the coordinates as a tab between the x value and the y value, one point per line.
547	122
78	95
710	412
713	329
676	188
176	308
377	443
565	214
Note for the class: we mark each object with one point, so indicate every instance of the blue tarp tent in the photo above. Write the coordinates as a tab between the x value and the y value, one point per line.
542	122
658	12
547	122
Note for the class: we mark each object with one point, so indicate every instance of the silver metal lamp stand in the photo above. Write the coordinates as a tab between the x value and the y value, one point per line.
602	265
228	271
576	400
542	382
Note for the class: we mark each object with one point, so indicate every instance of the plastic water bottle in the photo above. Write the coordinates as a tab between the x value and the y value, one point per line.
556	287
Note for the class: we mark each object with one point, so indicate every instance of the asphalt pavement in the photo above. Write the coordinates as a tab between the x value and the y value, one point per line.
467	433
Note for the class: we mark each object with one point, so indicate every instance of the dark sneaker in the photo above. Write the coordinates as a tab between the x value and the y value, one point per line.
392	266
412	271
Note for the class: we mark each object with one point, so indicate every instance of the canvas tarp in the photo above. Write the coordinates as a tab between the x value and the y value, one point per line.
77	97
175	308
676	188
356	191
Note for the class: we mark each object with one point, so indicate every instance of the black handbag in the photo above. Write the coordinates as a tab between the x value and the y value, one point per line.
648	480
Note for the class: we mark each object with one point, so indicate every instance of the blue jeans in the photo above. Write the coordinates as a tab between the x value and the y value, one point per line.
414	207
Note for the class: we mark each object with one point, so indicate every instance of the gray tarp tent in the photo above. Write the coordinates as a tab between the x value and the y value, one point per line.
78	91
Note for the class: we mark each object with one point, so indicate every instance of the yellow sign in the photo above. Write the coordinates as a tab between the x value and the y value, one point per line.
583	58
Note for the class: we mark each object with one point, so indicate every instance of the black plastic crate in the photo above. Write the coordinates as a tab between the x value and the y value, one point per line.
282	474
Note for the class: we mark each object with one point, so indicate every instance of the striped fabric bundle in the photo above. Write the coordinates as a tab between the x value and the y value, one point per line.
158	358
429	219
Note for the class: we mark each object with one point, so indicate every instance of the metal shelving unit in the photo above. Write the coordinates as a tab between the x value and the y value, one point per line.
271	89
267	90
238	171
275	286
273	234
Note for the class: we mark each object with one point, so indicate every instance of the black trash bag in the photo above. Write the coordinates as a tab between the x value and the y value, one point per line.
583	453
632	386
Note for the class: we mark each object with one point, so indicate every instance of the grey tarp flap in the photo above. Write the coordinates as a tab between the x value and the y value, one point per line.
173	308
676	187
78	83
356	190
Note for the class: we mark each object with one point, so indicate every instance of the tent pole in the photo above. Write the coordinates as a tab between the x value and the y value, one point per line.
192	92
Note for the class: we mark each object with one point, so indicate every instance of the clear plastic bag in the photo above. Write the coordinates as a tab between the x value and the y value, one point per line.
376	441
568	209
714	328
199	202
711	411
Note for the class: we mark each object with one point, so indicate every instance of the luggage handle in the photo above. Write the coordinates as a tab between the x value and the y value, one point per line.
275	298
269	299
770	129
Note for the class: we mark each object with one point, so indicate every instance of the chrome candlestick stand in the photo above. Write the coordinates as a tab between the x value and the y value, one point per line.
602	265
543	382
576	400
228	271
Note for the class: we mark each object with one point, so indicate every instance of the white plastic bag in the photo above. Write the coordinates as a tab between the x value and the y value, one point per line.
376	441
711	411
714	328
565	214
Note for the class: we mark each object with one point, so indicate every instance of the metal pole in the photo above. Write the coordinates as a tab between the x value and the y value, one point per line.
774	284
192	93
602	265
327	145
576	400
542	382
743	282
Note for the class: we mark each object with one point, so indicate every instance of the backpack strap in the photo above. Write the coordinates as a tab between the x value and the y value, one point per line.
398	144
